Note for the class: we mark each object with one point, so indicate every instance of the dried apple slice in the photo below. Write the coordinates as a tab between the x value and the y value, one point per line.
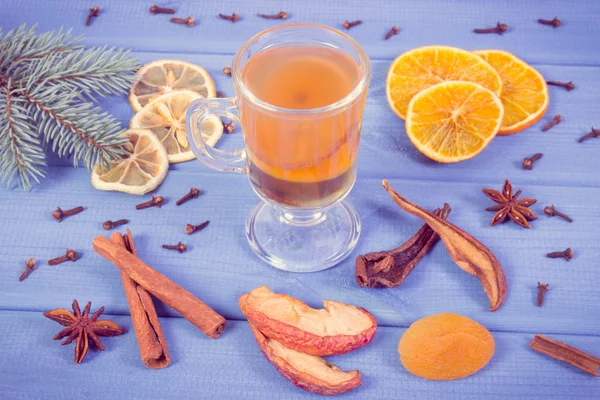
467	252
311	373
337	329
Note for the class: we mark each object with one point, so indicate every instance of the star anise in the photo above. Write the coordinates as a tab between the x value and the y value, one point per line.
83	327
509	205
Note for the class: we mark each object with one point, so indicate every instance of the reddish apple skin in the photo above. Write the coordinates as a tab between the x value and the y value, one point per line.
303	380
306	342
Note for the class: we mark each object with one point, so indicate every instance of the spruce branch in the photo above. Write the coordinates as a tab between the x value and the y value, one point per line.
20	149
75	128
45	82
102	71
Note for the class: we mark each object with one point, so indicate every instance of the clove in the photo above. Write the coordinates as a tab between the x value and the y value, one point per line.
347	25
499	29
29	266
279	15
59	214
161	10
227	71
189	228
555	121
233	17
192	194
567	85
69	255
551	212
189	21
156	201
553	22
229	127
392	32
594	134
542	289
528	162
567	254
108	225
180	247
94	12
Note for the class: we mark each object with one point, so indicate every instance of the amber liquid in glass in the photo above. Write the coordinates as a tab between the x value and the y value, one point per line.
301	160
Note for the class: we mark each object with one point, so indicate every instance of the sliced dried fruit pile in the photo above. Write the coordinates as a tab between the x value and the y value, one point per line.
294	337
455	101
160	98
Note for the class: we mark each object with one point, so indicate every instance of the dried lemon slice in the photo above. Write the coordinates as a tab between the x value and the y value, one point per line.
165	76
144	169
165	117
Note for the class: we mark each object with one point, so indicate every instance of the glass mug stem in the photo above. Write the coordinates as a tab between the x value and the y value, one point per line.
300	95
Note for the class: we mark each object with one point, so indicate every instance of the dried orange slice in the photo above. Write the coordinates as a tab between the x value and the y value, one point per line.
423	67
139	173
165	76
524	91
165	117
453	121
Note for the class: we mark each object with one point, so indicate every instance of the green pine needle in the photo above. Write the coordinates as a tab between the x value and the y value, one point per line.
45	83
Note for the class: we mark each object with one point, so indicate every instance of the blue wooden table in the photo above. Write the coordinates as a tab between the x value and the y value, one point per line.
220	266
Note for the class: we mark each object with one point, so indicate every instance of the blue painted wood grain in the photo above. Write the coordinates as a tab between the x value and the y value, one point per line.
220	266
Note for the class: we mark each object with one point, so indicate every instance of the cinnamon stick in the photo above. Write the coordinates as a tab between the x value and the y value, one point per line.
167	291
149	334
566	353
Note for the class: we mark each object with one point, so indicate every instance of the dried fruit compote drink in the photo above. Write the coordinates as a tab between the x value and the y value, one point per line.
302	159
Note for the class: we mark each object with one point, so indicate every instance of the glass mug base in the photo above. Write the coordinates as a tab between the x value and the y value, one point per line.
303	241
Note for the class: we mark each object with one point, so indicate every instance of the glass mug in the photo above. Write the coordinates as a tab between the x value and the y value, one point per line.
300	95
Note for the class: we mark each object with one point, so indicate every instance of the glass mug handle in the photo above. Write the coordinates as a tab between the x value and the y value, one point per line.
201	110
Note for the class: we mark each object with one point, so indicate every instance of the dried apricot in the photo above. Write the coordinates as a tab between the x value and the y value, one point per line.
445	346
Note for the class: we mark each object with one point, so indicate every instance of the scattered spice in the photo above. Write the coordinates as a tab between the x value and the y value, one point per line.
189	228
389	268
167	291
347	25
192	194
553	22
510	206
279	15
551	211
528	162
220	94
566	254
149	334
94	12
392	32
466	251
161	10
594	134
567	85
228	127
70	255
83	328
156	201
566	353
233	17
227	71
59	213
542	289
554	121
189	21
29	266
180	247
499	29
108	225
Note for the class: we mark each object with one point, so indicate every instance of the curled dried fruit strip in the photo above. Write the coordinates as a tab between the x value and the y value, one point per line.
337	329
311	373
466	251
